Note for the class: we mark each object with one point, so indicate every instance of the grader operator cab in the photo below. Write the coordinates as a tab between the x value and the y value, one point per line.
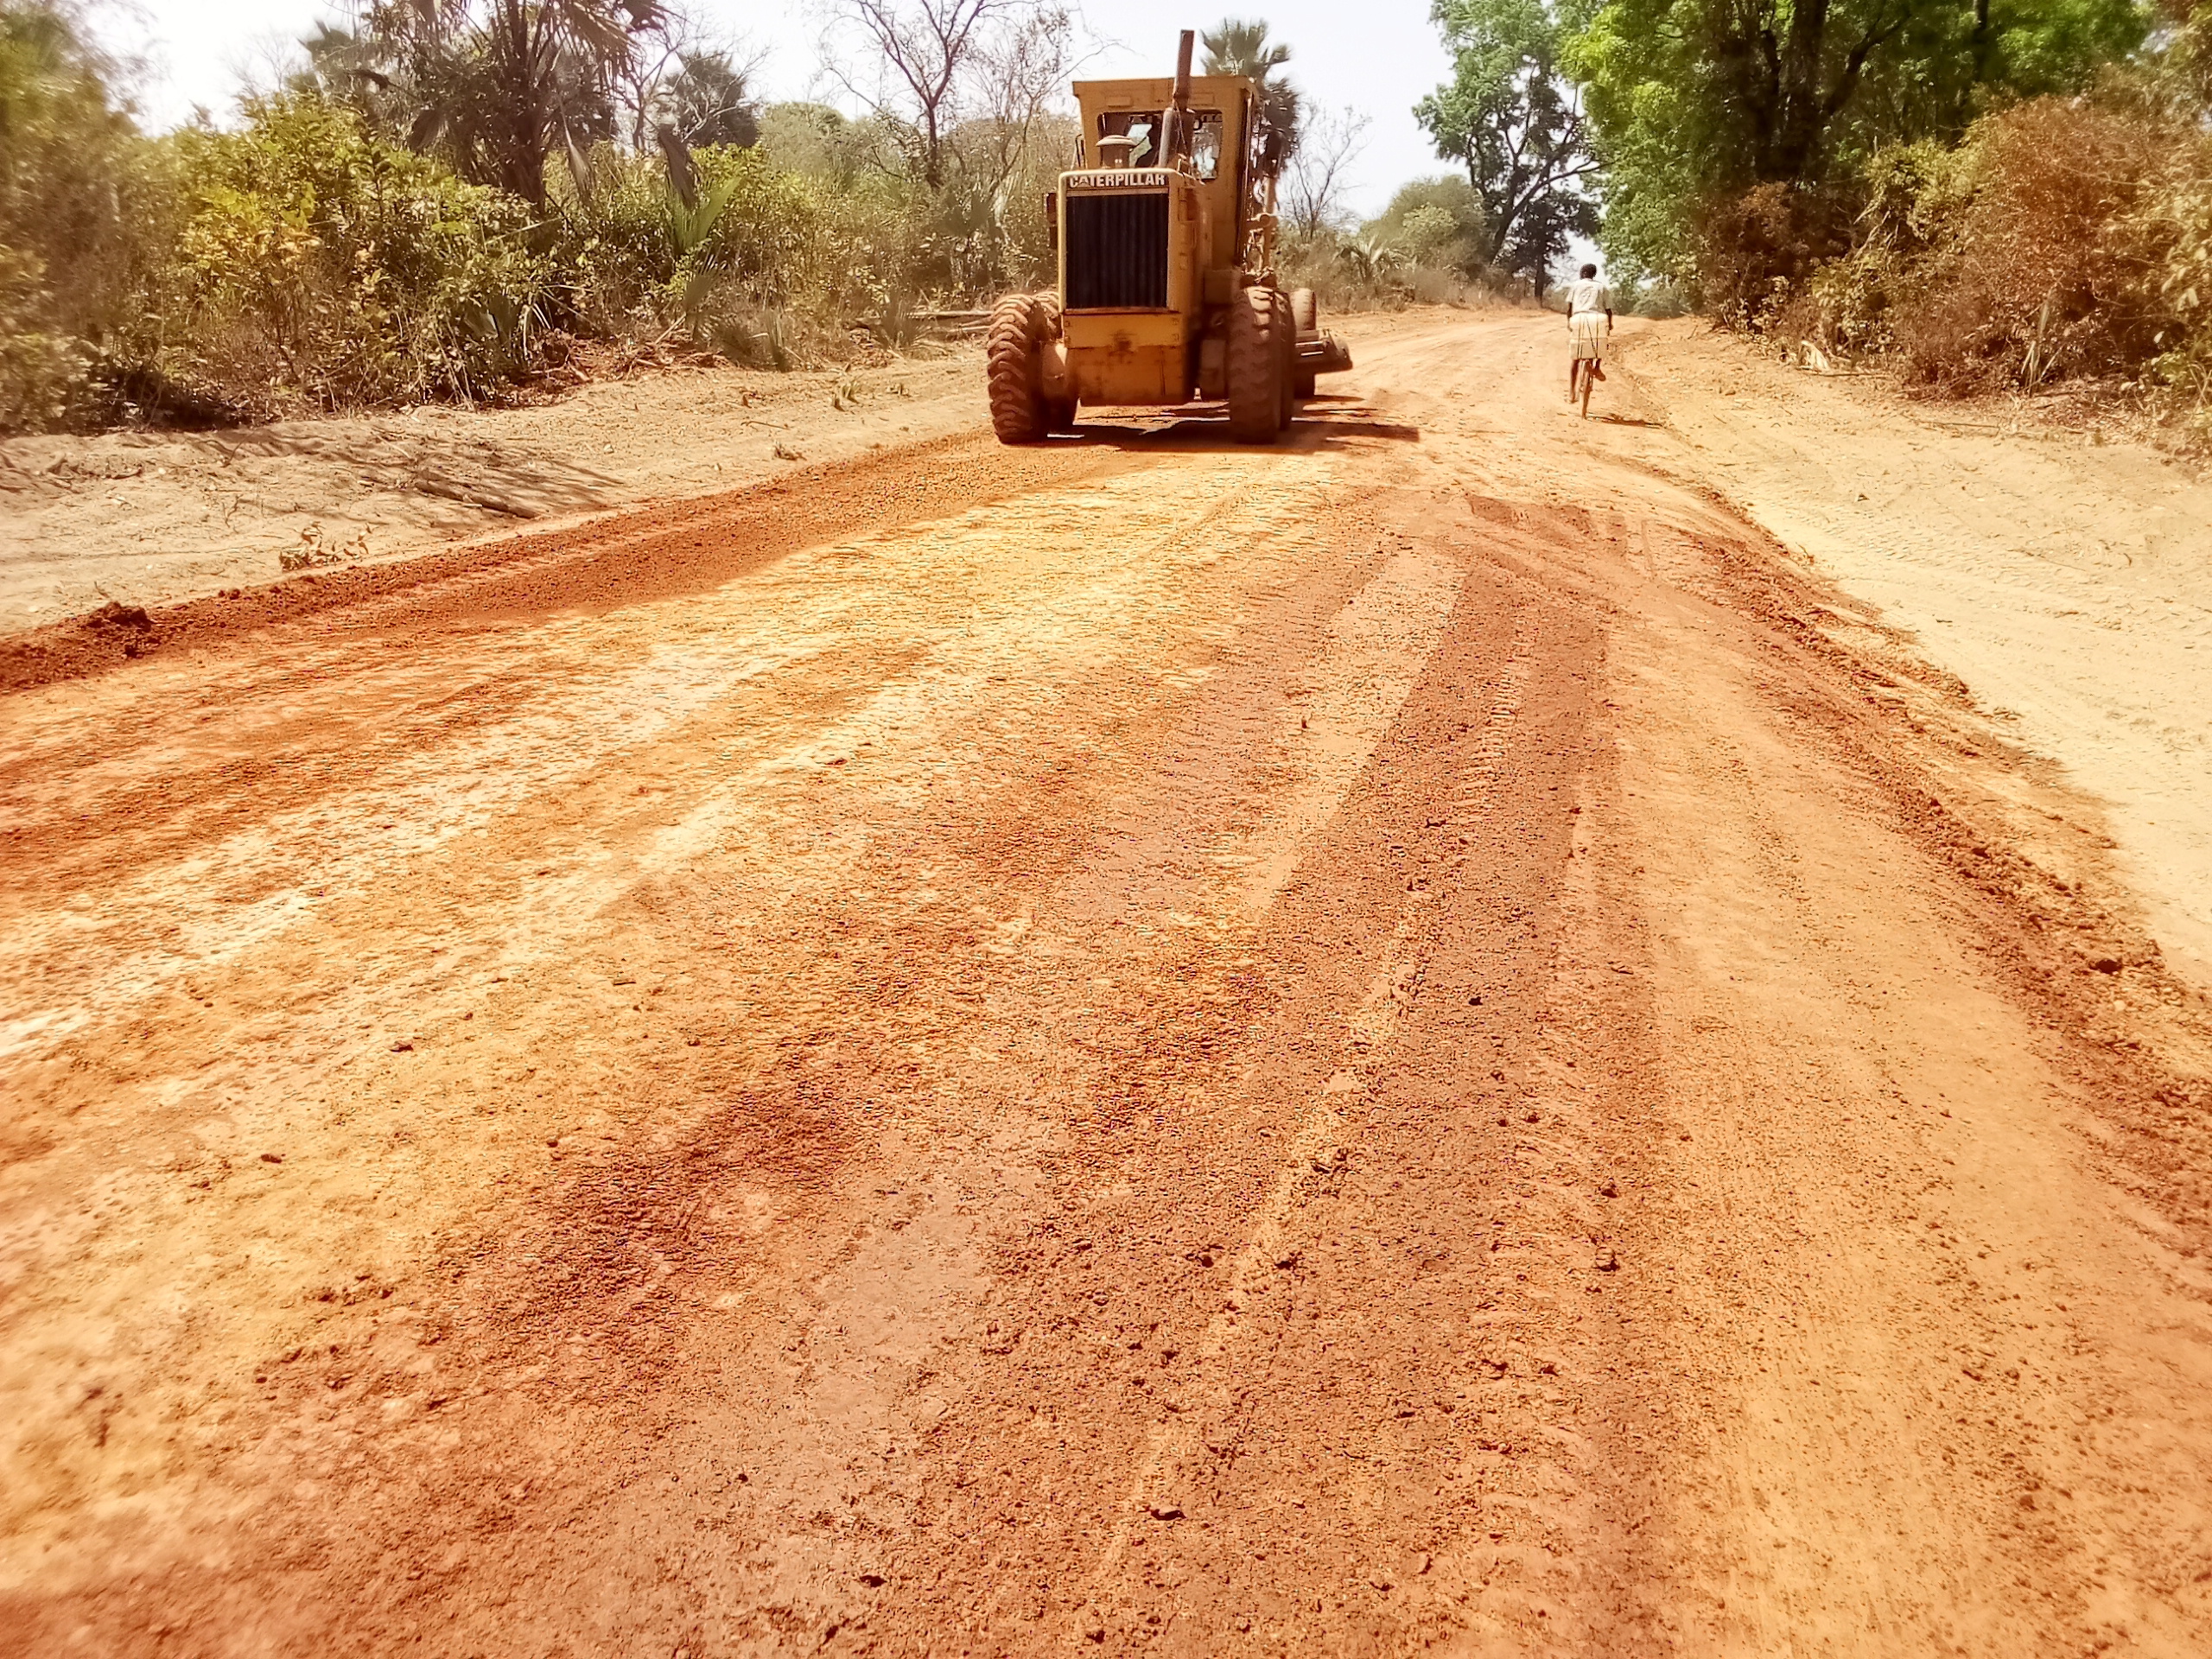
1165	237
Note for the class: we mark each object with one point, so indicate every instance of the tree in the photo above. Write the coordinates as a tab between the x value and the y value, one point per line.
1235	45
936	63
1691	101
706	101
1510	118
1314	185
1025	70
501	85
354	68
1543	233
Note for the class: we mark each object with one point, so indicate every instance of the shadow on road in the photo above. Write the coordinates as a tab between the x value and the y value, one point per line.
1322	423
509	479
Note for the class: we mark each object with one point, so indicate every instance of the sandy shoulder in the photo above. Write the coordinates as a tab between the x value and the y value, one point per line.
154	517
2067	582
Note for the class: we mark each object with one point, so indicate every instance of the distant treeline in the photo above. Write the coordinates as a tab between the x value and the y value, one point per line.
449	201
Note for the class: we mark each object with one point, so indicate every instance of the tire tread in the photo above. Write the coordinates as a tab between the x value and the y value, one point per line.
1254	367
1017	413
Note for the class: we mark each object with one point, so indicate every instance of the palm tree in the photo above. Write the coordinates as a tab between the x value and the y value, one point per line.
709	102
1236	46
501	85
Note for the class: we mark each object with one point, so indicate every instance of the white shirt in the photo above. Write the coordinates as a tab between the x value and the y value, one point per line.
1588	294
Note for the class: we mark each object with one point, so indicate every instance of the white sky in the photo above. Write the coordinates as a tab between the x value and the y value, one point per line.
1379	61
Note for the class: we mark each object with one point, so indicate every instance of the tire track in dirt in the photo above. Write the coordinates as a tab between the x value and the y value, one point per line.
943	693
386	800
1355	1058
1231	1349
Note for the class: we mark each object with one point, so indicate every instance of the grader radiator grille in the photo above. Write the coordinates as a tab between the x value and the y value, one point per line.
1117	250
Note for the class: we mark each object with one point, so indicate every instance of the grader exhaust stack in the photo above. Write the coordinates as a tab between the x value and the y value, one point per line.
1166	282
1178	110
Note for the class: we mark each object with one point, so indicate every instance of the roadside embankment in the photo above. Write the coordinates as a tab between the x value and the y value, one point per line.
153	517
2066	582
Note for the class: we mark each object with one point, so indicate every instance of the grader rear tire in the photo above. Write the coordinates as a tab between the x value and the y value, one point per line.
1018	411
1305	313
1287	348
1256	383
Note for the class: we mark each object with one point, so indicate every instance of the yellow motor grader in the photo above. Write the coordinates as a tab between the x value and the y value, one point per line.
1165	232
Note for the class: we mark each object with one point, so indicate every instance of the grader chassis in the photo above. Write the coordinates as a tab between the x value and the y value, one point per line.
1165	232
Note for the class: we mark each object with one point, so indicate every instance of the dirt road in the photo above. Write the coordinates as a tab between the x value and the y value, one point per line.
1403	1042
2063	578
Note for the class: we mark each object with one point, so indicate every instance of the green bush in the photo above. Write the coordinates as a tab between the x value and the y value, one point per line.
764	264
320	265
1436	222
313	260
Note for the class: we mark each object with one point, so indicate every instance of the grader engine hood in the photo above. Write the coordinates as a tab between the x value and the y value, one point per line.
1116	238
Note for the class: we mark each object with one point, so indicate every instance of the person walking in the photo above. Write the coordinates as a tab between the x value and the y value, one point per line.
1589	325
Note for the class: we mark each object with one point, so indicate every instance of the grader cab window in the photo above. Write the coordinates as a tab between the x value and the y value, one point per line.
1142	127
1206	145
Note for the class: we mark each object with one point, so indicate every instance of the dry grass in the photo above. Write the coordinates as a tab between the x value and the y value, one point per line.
2065	246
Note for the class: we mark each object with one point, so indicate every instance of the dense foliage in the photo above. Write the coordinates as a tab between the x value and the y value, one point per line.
2005	198
314	262
1695	102
369	235
76	191
2064	239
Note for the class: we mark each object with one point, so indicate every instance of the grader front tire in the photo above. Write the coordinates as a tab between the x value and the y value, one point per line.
1059	412
1256	382
1010	371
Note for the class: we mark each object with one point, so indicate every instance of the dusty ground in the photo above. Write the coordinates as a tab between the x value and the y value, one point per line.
1420	1039
2064	580
151	518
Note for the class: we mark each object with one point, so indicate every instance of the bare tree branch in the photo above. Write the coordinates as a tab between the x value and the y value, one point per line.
1313	187
929	55
1023	67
